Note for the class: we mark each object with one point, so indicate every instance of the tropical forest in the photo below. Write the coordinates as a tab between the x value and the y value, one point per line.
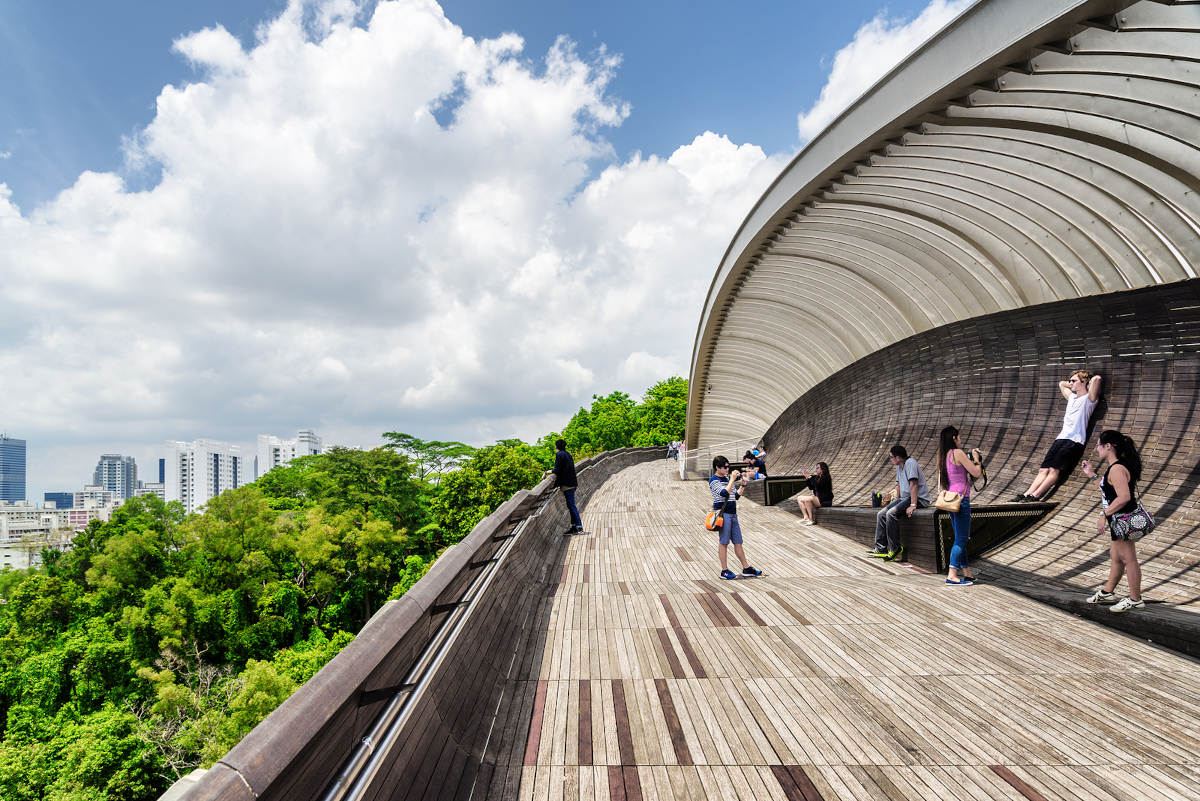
158	640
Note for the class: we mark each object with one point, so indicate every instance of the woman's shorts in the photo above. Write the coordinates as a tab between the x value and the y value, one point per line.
1063	455
731	531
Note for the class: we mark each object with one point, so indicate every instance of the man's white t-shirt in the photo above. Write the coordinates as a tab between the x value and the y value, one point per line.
1075	421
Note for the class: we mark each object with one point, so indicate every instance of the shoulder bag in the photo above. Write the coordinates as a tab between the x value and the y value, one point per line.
1132	525
716	518
948	501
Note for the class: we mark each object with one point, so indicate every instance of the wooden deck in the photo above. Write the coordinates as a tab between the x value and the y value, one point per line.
832	677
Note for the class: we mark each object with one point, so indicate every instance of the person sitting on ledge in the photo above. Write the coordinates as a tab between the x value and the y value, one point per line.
758	458
1082	391
911	493
752	473
822	487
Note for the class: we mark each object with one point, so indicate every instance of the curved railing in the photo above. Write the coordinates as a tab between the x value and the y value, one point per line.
409	708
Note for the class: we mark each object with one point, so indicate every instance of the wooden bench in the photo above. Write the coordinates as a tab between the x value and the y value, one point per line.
928	536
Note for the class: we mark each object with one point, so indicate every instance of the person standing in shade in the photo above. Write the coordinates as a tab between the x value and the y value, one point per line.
911	493
1118	494
956	468
723	485
1082	391
565	480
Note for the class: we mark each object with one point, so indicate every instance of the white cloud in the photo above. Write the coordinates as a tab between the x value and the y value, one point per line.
322	251
877	47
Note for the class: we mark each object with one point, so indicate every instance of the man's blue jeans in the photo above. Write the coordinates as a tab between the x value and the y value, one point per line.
887	523
569	495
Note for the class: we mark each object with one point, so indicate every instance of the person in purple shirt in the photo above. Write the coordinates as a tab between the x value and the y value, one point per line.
956	469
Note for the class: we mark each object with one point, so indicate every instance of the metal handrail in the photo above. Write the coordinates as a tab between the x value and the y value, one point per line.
363	764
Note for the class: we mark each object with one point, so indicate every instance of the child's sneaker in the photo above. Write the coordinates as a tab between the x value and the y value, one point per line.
750	571
728	574
1103	597
1125	604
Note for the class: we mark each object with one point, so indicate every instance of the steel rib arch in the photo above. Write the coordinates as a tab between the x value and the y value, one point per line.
1121	185
1061	216
1061	165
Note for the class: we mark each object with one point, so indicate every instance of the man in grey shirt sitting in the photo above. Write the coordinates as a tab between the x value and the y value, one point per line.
911	493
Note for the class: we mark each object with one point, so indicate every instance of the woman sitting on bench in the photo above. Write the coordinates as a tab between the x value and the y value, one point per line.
822	486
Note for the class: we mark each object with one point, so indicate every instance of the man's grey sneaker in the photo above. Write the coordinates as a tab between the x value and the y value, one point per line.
1102	597
878	554
1125	604
750	571
894	556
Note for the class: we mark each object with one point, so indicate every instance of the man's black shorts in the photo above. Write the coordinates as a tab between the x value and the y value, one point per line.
1063	455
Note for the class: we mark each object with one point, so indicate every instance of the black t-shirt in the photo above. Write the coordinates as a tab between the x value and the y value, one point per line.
564	470
822	487
1110	492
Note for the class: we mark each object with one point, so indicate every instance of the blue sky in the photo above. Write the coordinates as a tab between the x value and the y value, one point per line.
76	77
222	219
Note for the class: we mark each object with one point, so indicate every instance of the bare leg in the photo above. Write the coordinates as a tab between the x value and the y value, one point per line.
1133	571
805	511
1041	474
1116	568
741	555
721	554
1047	478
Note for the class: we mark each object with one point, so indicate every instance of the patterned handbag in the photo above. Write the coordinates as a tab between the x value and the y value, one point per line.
1133	525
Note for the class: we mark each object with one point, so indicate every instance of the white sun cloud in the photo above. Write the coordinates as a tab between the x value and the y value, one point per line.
362	225
877	47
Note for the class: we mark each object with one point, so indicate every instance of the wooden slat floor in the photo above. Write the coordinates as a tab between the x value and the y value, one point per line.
832	677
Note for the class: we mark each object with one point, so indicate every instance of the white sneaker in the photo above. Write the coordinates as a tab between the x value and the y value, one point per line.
1102	597
809	522
1125	604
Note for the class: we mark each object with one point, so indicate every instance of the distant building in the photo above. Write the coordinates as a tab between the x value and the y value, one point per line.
152	488
274	452
117	473
26	531
199	471
61	500
96	495
12	469
162	471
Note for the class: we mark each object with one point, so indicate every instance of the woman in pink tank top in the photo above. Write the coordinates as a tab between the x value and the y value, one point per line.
955	469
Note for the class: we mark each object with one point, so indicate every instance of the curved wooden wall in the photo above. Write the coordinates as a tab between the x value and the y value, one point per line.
995	377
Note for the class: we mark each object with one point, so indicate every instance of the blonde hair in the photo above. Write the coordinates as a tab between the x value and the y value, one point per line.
1083	375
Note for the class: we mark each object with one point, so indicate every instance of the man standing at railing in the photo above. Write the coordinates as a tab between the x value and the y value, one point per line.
565	480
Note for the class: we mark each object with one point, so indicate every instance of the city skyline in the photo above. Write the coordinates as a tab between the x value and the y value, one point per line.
37	489
458	224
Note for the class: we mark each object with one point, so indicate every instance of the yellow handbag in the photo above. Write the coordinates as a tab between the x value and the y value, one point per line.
948	501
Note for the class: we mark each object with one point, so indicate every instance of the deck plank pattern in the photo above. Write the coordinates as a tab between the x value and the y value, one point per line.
832	677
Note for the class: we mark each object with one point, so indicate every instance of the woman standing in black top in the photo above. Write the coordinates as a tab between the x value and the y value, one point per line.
822	486
1118	486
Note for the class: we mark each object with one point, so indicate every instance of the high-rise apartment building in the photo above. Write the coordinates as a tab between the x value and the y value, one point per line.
61	500
199	471
274	452
116	473
152	488
12	469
